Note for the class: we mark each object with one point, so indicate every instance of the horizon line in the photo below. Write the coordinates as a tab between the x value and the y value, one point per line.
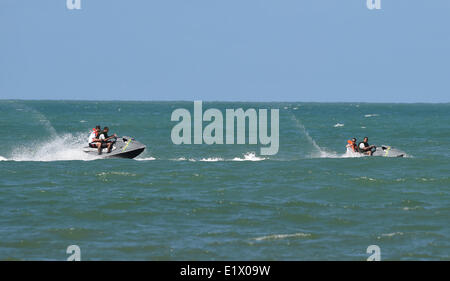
225	101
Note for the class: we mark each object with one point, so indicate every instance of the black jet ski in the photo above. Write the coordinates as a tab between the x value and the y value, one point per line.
124	147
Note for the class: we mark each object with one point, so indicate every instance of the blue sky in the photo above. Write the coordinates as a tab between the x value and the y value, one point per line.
230	50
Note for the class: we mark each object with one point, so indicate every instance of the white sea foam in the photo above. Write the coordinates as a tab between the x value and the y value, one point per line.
104	174
3	158
338	125
390	234
371	115
179	159
211	159
283	236
347	154
249	156
145	159
351	154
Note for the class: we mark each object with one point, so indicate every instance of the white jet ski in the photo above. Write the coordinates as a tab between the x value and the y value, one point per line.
387	151
384	151
124	147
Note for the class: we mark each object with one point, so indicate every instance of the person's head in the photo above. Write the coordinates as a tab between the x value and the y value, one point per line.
366	139
97	128
353	140
106	129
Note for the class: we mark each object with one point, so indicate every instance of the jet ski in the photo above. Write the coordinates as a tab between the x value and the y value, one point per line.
387	151
383	151
124	147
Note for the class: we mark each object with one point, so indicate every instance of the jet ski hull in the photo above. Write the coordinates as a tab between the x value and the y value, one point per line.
384	151
387	151
129	155
124	147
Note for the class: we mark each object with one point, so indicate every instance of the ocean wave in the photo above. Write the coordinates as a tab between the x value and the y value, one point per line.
282	236
104	174
390	234
3	158
412	208
337	125
366	179
371	115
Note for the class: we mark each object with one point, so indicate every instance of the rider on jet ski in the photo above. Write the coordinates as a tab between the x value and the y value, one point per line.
352	145
105	138
100	139
365	148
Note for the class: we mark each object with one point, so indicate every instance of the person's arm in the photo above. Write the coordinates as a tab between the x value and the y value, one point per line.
111	137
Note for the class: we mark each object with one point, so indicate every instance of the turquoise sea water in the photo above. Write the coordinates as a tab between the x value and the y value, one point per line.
310	201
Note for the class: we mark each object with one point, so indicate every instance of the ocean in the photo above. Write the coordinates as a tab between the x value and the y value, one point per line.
310	201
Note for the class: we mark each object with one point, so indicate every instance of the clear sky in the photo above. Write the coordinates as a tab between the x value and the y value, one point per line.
245	50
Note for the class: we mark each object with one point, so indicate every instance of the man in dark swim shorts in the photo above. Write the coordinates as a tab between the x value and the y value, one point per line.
105	139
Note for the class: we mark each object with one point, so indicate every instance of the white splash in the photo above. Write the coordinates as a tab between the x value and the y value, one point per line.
212	159
249	156
371	115
338	125
321	153
179	159
145	159
57	148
